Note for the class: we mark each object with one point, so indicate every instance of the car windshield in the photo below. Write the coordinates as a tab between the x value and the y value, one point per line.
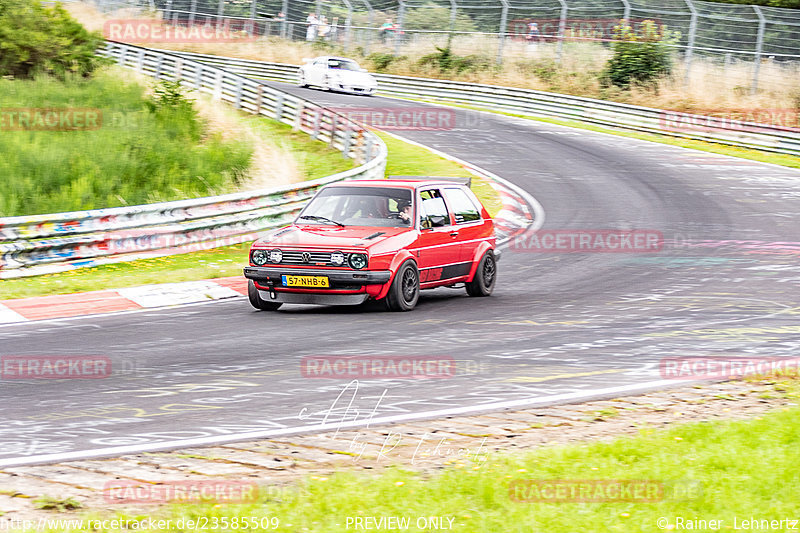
360	206
343	64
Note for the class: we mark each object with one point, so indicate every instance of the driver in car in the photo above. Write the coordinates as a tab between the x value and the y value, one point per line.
404	209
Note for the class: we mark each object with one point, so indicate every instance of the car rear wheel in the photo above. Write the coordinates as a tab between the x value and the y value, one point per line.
404	292
485	276
258	302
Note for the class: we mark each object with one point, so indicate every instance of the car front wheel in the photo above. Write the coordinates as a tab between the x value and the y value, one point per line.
258	302
485	276
404	292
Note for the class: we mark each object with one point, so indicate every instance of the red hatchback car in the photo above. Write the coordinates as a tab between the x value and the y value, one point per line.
377	239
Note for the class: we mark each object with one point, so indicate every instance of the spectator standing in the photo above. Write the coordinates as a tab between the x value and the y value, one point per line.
387	30
311	29
324	28
533	36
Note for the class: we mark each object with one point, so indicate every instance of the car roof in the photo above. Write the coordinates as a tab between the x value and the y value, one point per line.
396	183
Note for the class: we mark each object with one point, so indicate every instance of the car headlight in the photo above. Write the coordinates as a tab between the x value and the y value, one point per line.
357	261
337	258
260	257
275	256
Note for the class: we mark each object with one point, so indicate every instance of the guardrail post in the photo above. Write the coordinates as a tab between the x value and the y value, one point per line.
762	22
333	129
687	61
562	29
238	95
199	78
218	85
348	132
121	59
278	105
192	9
159	66
317	118
502	33
140	62
298	119
367	149
168	10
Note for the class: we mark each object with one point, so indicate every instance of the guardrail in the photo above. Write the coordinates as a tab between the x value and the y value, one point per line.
32	245
538	103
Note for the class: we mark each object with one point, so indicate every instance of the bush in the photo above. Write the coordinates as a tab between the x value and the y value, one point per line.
381	60
445	60
639	57
35	38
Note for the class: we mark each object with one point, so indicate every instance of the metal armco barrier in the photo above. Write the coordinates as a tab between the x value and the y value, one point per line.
32	245
538	103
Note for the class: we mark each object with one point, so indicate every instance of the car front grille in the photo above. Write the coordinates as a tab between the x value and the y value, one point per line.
294	257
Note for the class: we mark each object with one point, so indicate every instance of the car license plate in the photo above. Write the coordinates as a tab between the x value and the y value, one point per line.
305	281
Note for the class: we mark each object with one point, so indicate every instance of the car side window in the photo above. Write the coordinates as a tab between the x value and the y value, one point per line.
464	209
433	209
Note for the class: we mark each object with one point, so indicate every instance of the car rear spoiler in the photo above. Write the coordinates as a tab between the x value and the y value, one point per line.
461	181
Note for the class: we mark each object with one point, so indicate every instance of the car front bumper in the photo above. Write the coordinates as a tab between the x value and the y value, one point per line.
347	287
272	276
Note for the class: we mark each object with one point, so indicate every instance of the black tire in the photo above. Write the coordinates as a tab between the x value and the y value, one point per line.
256	300
485	276
301	82
404	292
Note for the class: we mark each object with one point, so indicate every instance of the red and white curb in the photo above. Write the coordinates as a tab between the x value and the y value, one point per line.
128	299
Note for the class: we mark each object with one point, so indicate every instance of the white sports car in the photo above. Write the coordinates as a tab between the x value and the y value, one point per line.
336	74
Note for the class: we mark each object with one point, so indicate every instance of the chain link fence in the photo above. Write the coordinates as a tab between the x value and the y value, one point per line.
729	35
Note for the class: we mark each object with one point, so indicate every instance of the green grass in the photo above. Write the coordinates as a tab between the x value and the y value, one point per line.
315	158
404	159
135	155
716	470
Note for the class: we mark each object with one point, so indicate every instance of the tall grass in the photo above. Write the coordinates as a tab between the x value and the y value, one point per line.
135	156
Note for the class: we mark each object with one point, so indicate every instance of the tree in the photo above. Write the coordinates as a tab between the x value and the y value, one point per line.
35	39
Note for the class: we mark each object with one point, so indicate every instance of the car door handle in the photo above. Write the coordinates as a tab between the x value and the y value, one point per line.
454	234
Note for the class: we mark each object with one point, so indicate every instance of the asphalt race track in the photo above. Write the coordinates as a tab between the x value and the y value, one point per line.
559	326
